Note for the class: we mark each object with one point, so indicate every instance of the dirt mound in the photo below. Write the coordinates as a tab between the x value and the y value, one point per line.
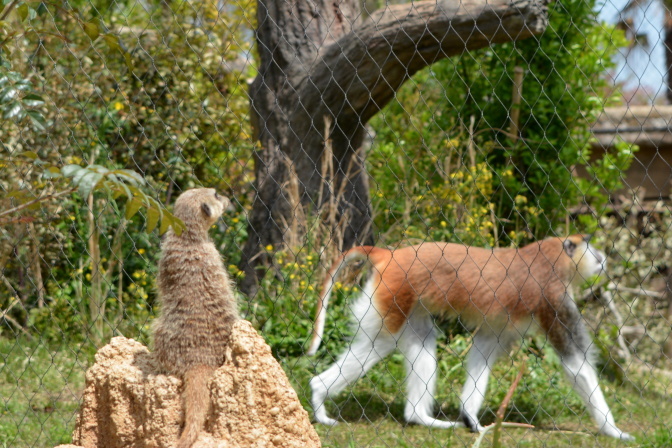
127	403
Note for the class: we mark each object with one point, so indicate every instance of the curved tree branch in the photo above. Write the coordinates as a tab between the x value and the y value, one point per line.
358	74
317	62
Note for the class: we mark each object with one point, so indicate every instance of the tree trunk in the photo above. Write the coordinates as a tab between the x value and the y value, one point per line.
320	62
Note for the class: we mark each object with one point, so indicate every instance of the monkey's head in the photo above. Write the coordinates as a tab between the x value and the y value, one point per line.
200	208
586	258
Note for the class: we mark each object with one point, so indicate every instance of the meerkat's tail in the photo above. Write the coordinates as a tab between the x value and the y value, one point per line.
356	253
196	398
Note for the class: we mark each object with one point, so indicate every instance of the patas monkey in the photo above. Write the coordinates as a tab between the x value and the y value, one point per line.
503	292
198	305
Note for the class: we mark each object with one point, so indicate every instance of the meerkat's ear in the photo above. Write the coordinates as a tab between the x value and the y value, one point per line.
569	247
206	209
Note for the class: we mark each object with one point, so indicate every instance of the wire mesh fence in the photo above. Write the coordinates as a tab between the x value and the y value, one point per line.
465	150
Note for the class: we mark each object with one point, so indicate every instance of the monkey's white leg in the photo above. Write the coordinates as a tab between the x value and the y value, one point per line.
583	379
567	332
488	346
417	342
371	344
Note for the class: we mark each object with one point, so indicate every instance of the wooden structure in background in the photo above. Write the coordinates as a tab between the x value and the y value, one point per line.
649	127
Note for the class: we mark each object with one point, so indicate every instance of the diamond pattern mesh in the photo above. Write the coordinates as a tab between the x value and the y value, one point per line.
333	125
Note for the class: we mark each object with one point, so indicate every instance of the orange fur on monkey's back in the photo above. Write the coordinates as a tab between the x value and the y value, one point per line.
472	282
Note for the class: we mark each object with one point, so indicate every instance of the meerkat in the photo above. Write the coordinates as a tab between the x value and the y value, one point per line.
503	292
198	306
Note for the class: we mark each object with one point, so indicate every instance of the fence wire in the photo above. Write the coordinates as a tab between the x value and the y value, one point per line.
532	137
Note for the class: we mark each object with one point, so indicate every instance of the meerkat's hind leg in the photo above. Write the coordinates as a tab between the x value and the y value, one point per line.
417	342
488	346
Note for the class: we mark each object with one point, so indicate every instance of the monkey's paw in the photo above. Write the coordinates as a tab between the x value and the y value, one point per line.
327	421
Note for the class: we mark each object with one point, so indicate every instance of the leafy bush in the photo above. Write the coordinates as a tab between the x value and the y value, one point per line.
445	163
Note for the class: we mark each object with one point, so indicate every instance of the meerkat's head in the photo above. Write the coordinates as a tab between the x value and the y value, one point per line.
587	259
200	208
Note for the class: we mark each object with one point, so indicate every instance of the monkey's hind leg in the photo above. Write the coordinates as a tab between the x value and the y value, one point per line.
487	347
362	354
417	342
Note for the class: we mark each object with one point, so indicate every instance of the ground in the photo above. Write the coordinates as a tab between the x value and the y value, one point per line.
40	387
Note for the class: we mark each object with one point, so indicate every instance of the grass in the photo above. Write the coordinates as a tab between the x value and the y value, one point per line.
40	388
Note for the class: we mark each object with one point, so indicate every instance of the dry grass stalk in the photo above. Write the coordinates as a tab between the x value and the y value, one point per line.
505	404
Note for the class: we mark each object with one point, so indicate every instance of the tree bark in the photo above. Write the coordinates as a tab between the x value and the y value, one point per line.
320	61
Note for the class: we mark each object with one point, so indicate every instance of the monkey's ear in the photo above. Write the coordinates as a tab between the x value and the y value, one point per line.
570	247
206	209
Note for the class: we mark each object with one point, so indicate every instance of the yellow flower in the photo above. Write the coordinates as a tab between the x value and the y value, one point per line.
338	285
141	251
520	200
72	218
444	223
355	289
302	283
235	220
118	106
310	288
269	247
292	276
88	276
137	274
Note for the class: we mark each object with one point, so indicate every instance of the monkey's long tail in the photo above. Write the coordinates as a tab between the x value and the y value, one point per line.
356	253
196	398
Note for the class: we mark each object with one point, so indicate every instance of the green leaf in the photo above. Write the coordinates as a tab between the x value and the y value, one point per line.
128	60
30	154
23	11
91	30
112	42
52	172
170	220
132	207
88	182
117	191
33	100
38	120
12	110
133	177
165	225
8	93
70	170
17	194
153	215
79	175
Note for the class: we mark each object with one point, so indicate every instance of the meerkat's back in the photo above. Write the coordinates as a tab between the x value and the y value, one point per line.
198	305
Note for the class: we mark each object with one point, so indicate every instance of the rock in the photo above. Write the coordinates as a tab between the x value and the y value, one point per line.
127	402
